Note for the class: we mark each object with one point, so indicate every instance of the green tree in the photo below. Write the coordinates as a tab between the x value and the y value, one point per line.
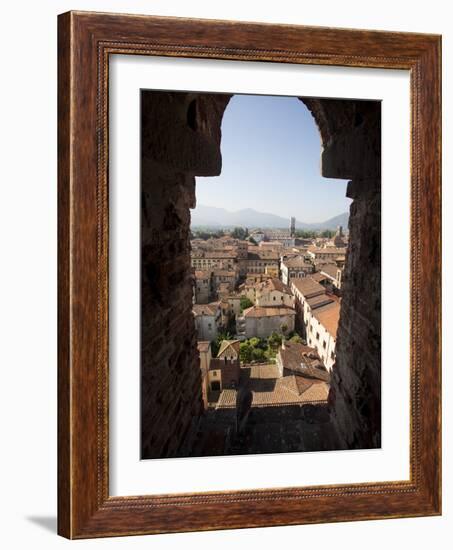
274	340
214	347
245	303
245	352
258	354
255	342
239	233
296	338
305	234
231	326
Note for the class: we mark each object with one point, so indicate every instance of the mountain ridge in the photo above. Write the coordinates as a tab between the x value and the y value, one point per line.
215	217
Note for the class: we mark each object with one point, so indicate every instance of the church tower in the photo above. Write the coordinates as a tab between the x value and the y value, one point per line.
292	227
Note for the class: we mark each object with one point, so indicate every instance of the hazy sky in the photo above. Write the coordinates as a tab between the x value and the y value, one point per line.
271	162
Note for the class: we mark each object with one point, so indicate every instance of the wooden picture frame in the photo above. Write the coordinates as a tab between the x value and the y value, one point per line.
85	42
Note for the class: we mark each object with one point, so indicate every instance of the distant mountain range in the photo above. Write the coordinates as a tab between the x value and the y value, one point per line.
212	217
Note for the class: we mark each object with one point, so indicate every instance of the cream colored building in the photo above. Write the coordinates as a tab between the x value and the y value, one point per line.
269	293
322	331
329	253
204	349
294	267
317	317
259	260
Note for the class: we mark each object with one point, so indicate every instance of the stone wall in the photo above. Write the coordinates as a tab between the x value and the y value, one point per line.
180	140
351	136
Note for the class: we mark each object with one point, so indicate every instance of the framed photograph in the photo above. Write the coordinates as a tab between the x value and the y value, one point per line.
249	275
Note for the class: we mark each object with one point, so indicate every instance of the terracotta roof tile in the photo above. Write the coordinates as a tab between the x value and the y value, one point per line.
330	270
227	399
271	311
227	344
204	309
329	316
319	301
308	287
203	346
297	262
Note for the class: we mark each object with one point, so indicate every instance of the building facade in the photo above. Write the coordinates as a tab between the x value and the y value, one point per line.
208	321
295	267
261	322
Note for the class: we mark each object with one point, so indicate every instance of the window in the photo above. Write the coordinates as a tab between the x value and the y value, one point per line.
317	336
332	355
324	344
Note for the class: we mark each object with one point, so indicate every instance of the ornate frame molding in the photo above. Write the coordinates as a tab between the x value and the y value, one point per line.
86	40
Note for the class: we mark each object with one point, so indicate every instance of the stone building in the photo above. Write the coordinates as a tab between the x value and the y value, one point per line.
304	290
258	260
208	260
317	317
322	331
261	322
339	239
272	293
226	278
224	370
204	349
208	320
294	267
331	253
333	274
203	287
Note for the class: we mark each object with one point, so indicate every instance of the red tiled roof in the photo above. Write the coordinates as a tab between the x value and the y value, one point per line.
204	309
271	311
308	287
228	344
262	255
202	274
329	316
227	399
297	262
224	273
302	360
330	270
318	276
332	250
203	346
287	391
319	301
272	284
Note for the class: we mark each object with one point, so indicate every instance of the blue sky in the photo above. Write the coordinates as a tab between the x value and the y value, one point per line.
271	162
